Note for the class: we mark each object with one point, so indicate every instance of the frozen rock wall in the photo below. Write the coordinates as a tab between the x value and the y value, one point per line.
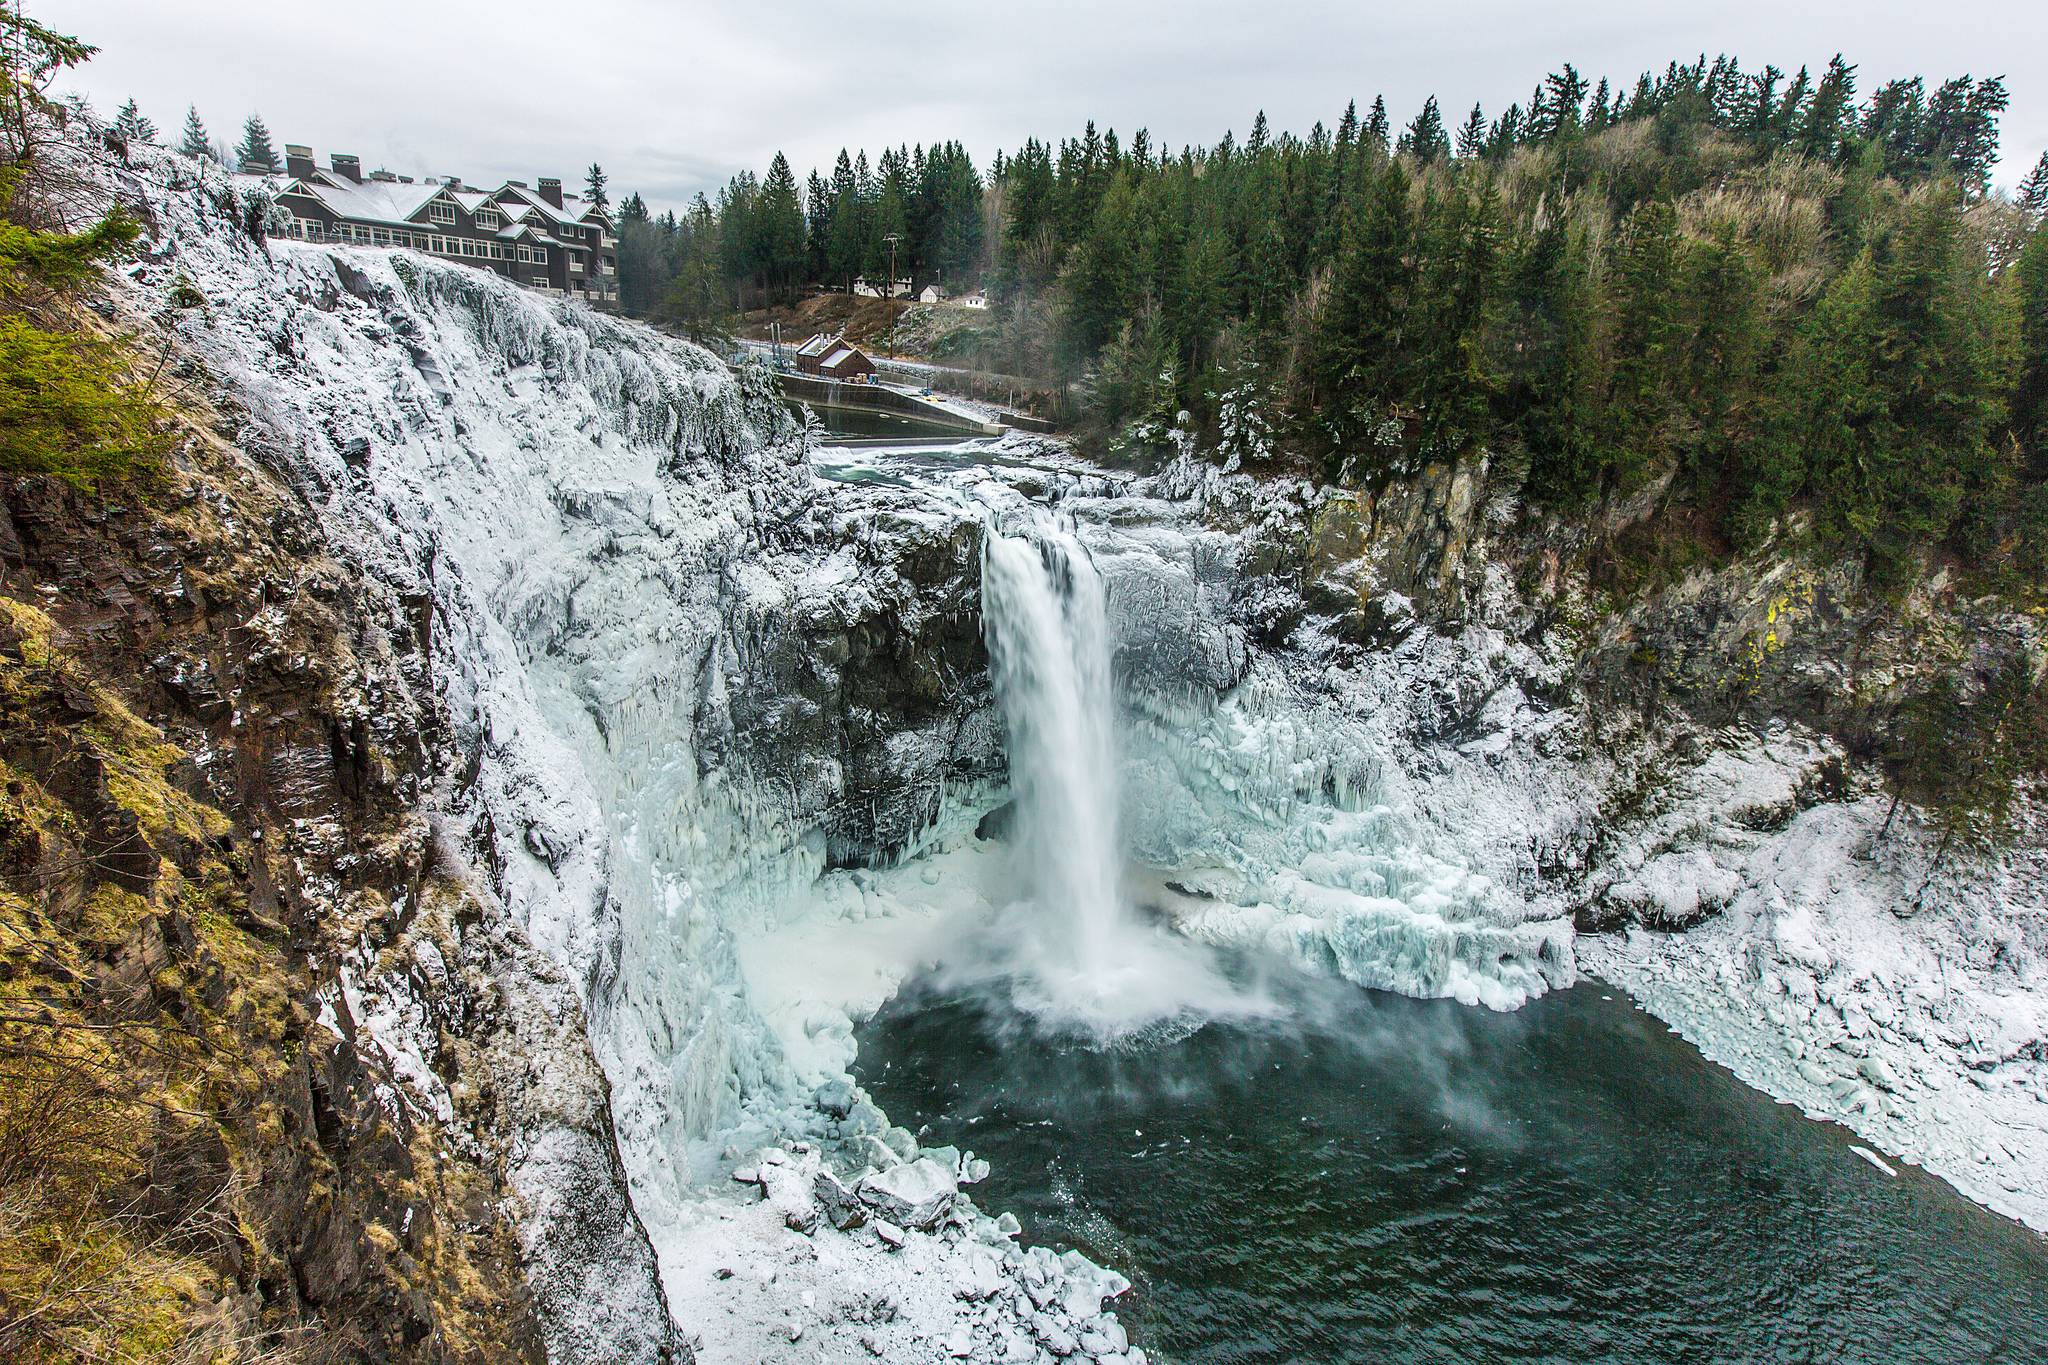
673	687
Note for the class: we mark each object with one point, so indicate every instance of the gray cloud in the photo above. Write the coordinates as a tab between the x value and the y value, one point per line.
674	97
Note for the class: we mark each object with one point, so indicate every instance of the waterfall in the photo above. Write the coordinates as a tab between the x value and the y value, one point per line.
1048	645
1073	950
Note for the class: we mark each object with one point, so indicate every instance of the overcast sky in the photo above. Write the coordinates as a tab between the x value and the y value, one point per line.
673	96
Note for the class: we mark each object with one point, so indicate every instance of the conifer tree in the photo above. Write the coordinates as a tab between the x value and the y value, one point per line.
131	124
256	155
779	230
1377	129
1830	115
2033	191
1472	137
1424	139
195	141
1598	115
594	188
1506	134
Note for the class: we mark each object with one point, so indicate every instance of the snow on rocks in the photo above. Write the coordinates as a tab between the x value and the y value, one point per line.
1852	976
916	1194
753	1281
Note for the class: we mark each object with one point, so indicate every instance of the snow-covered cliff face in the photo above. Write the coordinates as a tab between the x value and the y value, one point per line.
1659	794
674	684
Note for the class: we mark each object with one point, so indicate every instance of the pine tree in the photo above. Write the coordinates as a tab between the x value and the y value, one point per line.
1506	134
1472	137
779	231
2033	192
1598	115
1377	129
1830	114
195	142
594	188
256	155
1357	360
1424	139
132	125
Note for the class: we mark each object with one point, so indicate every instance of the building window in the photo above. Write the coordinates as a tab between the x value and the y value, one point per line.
441	211
540	281
489	218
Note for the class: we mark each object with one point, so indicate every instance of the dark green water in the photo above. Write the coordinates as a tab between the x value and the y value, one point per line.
1419	1181
869	422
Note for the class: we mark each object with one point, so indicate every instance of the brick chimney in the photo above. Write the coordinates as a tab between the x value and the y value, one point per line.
348	167
551	190
298	161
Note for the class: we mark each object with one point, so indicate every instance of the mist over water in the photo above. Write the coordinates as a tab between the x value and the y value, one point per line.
1375	1179
1071	950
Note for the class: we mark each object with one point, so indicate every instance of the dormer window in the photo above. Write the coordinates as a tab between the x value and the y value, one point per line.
441	211
489	218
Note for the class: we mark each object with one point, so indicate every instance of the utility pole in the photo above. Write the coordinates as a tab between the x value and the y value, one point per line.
889	293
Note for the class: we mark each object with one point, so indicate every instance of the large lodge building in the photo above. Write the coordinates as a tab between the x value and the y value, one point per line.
545	239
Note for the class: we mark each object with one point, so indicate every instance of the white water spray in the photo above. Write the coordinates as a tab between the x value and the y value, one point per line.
1074	951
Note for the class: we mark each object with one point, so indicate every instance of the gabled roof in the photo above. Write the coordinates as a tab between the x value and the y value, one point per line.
377	201
818	344
575	208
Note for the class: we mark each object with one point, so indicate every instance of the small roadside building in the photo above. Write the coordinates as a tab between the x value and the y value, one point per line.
832	357
973	299
931	293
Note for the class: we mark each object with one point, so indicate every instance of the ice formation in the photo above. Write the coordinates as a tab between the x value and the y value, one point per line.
1070	948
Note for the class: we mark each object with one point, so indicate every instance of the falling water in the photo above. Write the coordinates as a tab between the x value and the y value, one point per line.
1048	645
1073	950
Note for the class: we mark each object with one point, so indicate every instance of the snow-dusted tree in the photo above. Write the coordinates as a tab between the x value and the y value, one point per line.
2033	192
256	155
593	187
196	142
132	125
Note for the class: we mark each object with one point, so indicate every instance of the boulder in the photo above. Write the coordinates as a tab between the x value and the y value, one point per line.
835	1099
918	1194
839	1201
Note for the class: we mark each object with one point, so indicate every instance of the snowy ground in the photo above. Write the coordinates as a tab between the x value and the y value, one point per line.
762	1274
1830	981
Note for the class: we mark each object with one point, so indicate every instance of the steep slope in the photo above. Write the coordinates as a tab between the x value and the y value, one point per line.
668	685
216	745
